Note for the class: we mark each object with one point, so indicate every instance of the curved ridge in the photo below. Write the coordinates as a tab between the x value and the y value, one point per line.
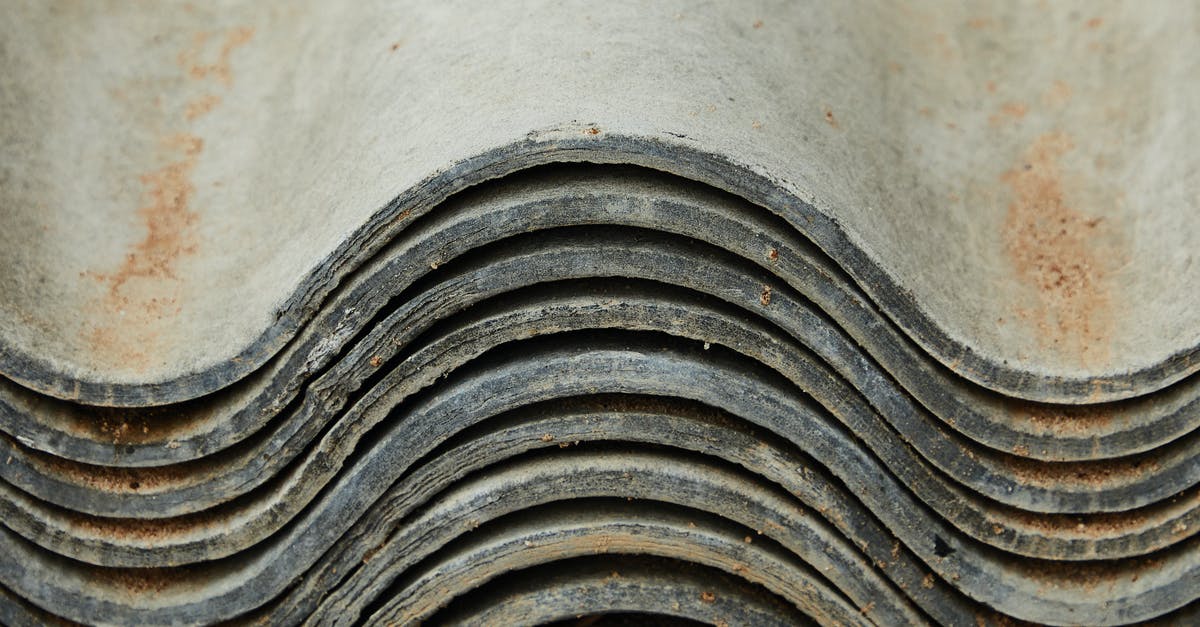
508	297
561	146
632	364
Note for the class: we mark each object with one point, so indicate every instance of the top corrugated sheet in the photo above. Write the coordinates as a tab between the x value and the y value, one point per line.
1014	183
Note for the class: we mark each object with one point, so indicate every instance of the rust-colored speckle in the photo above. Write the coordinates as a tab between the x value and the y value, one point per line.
773	254
708	597
200	106
943	47
829	119
169	221
219	69
1063	420
376	361
140	581
765	296
1058	251
1091	474
546	437
1094	23
1057	96
1092	576
370	555
927	581
1009	111
758	24
591	130
145	288
980	23
991	86
167	215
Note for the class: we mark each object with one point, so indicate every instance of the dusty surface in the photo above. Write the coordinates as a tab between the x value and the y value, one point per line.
1026	172
1065	255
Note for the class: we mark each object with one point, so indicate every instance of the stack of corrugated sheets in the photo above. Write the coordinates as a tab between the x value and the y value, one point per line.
375	312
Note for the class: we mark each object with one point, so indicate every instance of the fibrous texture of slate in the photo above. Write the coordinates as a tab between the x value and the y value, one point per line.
755	312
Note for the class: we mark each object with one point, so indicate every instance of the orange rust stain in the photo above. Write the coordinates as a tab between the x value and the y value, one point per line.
167	216
1093	474
1009	111
943	47
758	24
1095	23
991	87
145	289
591	130
402	216
219	69
1058	95
169	223
1063	420
980	23
832	121
201	105
1060	252
189	58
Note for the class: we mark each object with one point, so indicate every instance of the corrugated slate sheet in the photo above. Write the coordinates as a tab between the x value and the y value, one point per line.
464	312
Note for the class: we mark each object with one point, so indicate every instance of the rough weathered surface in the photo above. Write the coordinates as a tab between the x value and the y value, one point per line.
757	312
1011	183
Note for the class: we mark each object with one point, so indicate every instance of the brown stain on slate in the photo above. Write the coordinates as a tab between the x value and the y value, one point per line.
1062	420
219	69
1058	95
1061	252
169	222
1008	112
200	106
166	214
830	119
145	290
